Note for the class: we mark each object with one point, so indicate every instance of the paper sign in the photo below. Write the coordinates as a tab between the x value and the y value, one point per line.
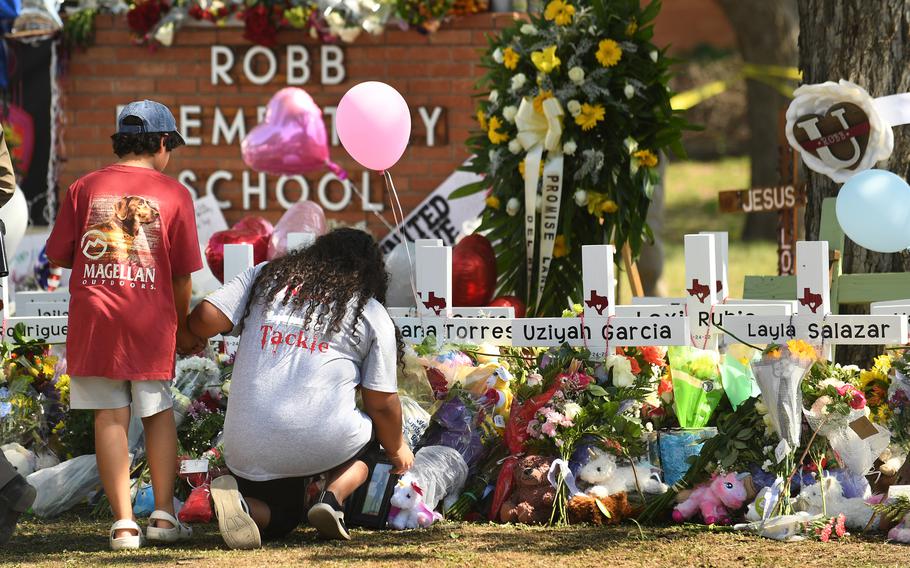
863	428
188	467
209	220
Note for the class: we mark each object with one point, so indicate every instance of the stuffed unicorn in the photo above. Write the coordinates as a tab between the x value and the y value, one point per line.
857	509
409	510
606	478
715	500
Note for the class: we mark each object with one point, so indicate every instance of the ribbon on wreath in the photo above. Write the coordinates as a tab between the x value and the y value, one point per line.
540	131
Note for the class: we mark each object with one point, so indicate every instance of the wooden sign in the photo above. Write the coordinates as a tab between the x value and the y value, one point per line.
762	199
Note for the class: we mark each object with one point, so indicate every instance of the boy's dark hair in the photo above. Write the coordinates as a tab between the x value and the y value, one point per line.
145	143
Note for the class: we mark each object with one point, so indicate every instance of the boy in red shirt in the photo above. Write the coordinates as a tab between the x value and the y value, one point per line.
129	234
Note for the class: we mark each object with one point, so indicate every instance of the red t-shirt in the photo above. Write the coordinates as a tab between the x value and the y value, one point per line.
126	230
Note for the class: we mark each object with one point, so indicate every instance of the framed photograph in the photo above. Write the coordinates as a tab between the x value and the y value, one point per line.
369	506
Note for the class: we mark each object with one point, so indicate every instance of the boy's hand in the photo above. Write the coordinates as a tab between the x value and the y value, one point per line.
188	343
403	459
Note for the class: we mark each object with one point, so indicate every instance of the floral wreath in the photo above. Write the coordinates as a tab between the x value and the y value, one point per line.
577	115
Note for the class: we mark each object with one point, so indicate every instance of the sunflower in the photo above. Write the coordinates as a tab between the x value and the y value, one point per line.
510	58
560	12
646	158
493	133
608	53
589	116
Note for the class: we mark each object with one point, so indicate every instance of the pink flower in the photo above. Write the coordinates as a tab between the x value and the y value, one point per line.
534	428
549	429
840	529
844	390
555	417
534	379
825	535
858	402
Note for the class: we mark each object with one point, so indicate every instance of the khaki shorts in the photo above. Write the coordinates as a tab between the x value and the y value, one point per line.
99	393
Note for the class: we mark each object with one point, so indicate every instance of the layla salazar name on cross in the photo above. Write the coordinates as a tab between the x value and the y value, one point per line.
821	330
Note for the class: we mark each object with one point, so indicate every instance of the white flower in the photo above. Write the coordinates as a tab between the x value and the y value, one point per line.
654	55
574	107
592	30
571	410
509	113
622	370
529	29
569	148
577	75
513	206
767	465
534	379
629	91
494	96
761	407
514	146
581	198
497	55
492	155
518	81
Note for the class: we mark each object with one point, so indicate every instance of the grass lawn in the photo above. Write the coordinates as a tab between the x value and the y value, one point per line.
691	207
75	540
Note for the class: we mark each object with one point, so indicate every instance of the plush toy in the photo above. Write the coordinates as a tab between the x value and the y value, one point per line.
20	458
715	500
856	509
411	511
584	509
605	478
901	532
532	500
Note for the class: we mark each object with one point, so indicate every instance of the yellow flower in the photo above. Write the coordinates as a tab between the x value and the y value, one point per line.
646	158
521	168
493	133
609	206
545	60
883	364
492	202
559	247
560	12
599	204
481	119
540	98
60	425
589	116
608	53
632	28
801	349
509	58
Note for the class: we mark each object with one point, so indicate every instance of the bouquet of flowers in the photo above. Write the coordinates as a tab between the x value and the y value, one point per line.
697	384
779	373
577	97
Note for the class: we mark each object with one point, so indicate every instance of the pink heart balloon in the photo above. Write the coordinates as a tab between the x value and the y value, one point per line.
302	217
291	139
374	124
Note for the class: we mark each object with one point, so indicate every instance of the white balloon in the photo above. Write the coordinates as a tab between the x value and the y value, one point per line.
400	293
15	216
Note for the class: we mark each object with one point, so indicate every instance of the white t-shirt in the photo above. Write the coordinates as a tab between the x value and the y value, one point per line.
292	409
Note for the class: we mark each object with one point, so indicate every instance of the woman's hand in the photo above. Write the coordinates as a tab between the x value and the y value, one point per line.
403	459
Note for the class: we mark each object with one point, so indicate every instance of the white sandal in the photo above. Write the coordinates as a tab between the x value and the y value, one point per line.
131	542
178	531
237	527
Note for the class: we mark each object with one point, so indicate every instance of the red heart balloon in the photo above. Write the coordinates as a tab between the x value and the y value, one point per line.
214	251
473	271
257	224
510	302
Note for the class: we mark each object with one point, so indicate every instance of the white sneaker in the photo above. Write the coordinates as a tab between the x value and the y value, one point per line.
237	527
131	542
178	531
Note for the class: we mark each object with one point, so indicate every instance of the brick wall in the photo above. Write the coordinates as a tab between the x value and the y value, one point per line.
439	70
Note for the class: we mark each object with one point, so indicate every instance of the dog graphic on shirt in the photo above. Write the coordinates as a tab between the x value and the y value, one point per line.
123	230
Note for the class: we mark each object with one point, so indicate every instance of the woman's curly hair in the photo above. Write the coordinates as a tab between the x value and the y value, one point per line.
343	269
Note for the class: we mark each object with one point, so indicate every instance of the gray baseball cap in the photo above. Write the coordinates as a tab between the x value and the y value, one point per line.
155	117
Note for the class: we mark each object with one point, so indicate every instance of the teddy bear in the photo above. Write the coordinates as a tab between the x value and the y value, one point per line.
532	499
606	478
857	510
715	500
584	509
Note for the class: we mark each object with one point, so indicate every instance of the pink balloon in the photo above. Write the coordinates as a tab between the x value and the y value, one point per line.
257	224
291	139
302	217
374	124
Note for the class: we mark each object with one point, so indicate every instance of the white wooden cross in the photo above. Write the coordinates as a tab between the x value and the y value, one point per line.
814	321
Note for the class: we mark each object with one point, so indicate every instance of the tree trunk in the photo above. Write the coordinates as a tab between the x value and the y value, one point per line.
766	33
867	43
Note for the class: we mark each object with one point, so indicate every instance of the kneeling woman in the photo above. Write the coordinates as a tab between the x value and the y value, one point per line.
314	331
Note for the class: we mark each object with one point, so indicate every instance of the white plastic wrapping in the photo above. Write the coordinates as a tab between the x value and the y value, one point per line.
64	486
441	472
414	421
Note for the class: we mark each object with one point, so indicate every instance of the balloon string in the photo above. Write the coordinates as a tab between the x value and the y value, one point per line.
394	200
374	212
